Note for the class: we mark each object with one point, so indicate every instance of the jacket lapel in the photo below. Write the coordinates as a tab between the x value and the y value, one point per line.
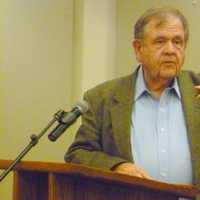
121	111
191	106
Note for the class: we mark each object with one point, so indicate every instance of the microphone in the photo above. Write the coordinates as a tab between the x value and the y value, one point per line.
68	119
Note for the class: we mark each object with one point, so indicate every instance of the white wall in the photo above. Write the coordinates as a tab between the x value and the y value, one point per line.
96	33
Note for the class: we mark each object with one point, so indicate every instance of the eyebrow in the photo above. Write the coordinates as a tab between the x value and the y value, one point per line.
164	37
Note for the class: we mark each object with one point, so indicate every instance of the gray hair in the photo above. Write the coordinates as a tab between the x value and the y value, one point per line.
162	15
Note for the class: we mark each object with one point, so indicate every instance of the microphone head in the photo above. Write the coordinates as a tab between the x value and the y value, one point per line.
83	106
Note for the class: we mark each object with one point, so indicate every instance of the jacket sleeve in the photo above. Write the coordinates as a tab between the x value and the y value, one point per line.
87	147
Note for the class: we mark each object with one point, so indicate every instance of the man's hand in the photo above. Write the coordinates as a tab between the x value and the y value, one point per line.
132	170
197	87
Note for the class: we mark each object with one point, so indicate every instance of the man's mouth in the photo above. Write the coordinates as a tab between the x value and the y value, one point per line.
169	61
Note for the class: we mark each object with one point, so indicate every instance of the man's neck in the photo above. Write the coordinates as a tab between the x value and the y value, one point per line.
157	86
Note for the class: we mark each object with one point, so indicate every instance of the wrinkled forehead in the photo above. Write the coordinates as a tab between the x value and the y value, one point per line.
163	23
164	19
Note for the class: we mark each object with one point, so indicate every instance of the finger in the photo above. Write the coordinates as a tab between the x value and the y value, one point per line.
143	173
147	176
139	175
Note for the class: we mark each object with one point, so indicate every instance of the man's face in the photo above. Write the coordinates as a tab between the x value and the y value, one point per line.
162	50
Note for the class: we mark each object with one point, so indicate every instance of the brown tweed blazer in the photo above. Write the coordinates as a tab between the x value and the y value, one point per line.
103	139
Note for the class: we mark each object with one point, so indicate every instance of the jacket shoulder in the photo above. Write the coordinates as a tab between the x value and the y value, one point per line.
195	77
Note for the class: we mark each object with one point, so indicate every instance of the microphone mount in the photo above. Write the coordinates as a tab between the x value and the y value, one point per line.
58	116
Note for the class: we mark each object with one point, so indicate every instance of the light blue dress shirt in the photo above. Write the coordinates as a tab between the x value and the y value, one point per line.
159	136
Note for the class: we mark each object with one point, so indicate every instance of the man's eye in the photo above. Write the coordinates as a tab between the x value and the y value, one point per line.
178	42
159	41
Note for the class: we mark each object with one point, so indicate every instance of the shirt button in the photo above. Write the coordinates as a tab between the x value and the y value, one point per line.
163	150
163	174
162	109
162	130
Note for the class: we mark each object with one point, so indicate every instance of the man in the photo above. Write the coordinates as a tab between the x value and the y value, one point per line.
148	123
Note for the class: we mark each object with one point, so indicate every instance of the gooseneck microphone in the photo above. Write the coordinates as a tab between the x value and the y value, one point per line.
63	120
67	119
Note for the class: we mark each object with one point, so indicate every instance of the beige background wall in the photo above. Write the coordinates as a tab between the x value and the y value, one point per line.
52	51
36	70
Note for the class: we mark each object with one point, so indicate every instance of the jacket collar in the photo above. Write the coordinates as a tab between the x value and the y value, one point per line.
121	110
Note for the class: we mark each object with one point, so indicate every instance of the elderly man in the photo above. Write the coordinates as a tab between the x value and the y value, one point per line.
147	124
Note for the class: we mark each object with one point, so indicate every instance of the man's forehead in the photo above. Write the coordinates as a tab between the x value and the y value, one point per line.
171	26
161	23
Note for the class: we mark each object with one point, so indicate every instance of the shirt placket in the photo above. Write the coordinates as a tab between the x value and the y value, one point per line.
162	131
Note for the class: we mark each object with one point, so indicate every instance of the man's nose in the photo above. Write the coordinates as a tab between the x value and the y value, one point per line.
169	47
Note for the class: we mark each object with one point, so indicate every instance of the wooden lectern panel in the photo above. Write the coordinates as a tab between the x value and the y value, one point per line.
64	181
79	188
30	186
62	187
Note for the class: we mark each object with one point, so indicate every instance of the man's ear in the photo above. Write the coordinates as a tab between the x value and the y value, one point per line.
137	45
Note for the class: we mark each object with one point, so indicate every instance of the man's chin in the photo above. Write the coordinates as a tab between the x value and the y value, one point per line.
169	73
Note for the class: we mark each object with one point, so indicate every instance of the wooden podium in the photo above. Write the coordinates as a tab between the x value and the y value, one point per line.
62	181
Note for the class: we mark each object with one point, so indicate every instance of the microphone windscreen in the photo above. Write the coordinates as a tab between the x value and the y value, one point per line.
83	106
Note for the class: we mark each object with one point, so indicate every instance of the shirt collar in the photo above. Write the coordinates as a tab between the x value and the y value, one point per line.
141	88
